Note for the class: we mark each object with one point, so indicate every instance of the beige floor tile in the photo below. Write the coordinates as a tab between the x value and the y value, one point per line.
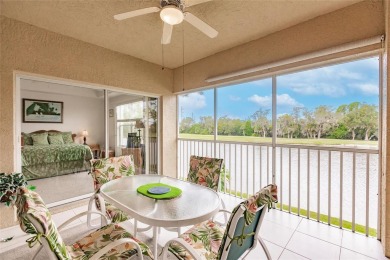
312	248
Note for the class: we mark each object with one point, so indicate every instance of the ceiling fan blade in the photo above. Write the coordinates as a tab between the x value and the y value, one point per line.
167	34
189	3
135	13
200	25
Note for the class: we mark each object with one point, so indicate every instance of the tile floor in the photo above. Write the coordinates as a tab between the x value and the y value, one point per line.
287	237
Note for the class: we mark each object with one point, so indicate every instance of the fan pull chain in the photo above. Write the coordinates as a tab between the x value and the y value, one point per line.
162	57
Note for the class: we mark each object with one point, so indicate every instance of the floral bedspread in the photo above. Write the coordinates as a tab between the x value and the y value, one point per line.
52	160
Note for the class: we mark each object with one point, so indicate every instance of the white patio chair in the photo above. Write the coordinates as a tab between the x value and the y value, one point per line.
232	242
110	241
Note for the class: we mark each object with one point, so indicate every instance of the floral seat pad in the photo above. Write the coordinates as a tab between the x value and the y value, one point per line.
116	215
205	238
89	245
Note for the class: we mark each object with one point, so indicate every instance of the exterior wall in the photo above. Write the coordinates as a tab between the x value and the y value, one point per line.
357	22
169	135
30	49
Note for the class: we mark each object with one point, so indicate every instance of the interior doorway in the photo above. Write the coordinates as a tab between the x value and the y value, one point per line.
89	114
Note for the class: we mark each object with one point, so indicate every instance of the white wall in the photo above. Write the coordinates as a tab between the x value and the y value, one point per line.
83	109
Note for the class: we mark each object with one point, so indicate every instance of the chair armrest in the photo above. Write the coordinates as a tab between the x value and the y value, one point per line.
63	225
221	211
184	244
115	243
92	201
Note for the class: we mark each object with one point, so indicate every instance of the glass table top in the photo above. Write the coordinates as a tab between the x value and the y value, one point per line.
196	203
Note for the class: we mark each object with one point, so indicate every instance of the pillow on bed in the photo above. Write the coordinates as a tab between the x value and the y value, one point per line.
67	137
56	139
27	140
39	139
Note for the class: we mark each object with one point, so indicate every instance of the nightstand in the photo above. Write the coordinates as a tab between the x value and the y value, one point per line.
95	148
111	153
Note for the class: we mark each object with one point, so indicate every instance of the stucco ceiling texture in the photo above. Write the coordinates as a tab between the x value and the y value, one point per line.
237	21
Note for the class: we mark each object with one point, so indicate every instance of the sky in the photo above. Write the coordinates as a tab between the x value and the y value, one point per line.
331	86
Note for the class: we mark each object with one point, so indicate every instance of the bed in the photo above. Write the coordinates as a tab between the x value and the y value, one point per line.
52	157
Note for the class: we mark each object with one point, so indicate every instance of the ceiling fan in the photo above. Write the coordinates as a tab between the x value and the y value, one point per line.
172	13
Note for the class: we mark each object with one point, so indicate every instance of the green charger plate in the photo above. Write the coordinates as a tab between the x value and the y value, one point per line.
173	193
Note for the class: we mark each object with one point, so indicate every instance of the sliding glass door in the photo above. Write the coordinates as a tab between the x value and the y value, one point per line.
132	130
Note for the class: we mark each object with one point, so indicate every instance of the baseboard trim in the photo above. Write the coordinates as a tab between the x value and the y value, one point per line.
67	201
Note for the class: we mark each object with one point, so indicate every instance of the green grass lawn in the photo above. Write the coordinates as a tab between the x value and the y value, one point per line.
255	139
313	215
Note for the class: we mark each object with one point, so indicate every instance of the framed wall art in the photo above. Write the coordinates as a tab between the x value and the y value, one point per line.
42	111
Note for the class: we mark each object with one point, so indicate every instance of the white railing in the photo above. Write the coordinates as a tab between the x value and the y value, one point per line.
340	182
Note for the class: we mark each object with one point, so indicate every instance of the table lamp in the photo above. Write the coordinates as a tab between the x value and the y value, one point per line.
85	133
139	124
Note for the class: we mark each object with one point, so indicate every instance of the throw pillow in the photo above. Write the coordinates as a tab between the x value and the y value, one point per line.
56	139
39	139
67	137
27	140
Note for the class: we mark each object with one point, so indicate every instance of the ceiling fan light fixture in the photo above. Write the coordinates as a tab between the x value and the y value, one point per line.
171	15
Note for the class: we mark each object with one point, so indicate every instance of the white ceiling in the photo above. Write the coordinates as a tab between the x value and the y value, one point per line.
237	21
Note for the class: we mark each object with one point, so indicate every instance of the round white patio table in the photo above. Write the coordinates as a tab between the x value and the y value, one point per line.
196	203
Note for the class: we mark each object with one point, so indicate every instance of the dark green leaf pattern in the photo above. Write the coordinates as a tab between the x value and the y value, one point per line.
30	204
53	160
107	169
89	245
205	171
9	183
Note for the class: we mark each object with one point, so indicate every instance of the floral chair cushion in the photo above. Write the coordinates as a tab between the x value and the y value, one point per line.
205	238
91	244
116	215
107	169
9	183
208	238
30	204
265	197
205	171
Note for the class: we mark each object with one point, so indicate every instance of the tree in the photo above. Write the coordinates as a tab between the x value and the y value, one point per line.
350	117
339	132
246	128
286	125
308	124
207	124
185	124
223	125
260	121
296	115
228	126
368	115
324	119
